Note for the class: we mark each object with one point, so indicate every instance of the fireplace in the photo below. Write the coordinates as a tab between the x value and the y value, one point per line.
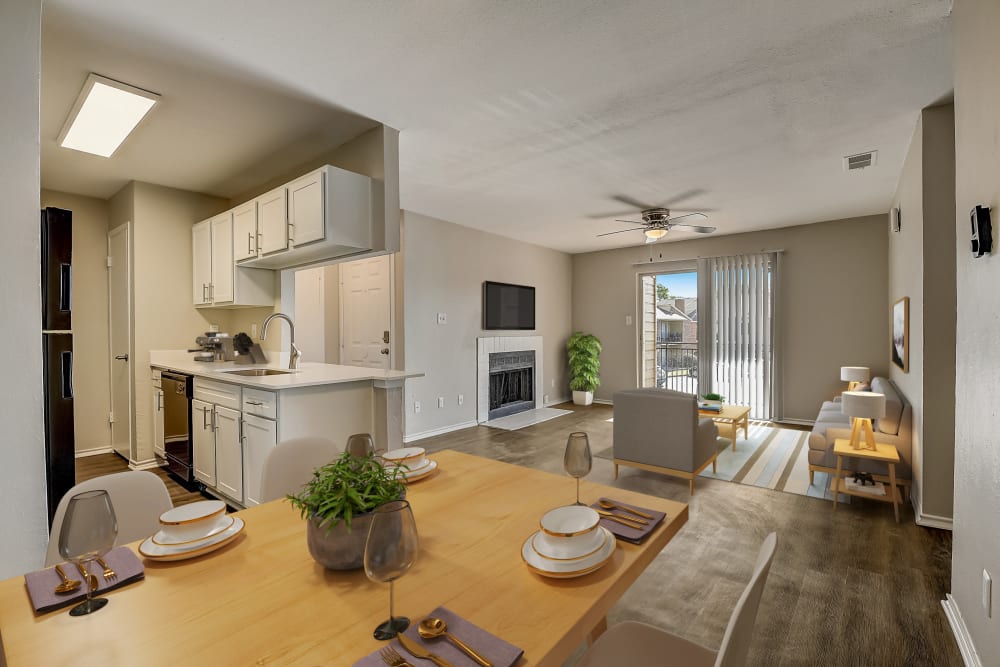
512	383
509	375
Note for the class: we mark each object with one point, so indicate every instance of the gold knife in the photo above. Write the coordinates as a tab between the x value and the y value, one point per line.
624	520
418	651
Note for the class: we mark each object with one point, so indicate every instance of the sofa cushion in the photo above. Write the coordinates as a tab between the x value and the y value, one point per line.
893	407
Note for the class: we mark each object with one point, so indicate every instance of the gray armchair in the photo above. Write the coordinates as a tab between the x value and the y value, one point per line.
659	430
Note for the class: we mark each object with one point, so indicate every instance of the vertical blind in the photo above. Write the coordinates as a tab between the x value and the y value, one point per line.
737	355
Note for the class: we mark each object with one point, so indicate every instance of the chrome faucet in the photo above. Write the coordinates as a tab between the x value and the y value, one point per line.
293	359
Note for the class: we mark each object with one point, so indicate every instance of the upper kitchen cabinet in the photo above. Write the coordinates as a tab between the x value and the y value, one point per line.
245	231
325	214
218	282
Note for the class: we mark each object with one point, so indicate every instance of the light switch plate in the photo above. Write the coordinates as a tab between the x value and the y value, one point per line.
461	399
440	401
416	406
628	320
442	318
987	594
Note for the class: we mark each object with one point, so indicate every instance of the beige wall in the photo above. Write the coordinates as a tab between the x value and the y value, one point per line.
976	540
832	303
90	317
445	267
919	270
164	316
22	476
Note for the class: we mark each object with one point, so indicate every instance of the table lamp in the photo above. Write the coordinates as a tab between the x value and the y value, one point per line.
862	406
854	375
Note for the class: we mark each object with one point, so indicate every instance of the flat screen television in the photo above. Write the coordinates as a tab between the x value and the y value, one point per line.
508	306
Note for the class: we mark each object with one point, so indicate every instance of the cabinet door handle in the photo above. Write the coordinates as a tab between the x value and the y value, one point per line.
204	419
211	291
159	401
215	425
204	292
249	243
254	403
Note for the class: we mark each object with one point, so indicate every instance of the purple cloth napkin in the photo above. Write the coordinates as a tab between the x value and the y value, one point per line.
494	649
626	533
41	584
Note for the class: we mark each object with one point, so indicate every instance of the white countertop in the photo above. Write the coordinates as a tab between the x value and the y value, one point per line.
308	374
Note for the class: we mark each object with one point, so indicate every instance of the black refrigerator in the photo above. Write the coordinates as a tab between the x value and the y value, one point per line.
57	351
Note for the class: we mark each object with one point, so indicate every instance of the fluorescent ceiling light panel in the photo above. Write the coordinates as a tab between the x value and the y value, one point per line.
105	114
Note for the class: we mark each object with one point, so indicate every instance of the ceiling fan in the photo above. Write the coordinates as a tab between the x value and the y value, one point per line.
658	220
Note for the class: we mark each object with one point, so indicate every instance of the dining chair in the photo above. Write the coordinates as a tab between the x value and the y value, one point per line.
290	465
139	497
640	645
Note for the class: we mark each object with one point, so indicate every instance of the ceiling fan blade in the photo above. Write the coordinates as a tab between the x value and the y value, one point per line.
693	228
687	215
693	210
620	231
628	201
602	216
632	222
687	194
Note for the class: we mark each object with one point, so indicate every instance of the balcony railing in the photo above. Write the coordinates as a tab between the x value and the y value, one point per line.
677	366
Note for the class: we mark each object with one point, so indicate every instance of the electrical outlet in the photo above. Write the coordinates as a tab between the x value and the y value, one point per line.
552	383
416	406
442	318
440	401
545	399
253	330
461	399
628	320
987	594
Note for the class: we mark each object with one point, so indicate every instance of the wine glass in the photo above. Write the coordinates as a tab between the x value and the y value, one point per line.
390	551
576	460
360	445
88	532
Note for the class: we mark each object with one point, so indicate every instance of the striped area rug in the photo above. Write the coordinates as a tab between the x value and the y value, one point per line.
772	458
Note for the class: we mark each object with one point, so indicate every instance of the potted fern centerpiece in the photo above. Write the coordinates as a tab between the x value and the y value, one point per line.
583	353
338	502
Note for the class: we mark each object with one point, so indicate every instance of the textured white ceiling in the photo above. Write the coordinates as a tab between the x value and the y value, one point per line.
525	118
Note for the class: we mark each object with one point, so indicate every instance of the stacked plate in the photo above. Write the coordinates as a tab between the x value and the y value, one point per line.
570	543
412	463
192	530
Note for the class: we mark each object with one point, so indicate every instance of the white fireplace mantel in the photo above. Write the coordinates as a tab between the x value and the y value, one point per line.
487	345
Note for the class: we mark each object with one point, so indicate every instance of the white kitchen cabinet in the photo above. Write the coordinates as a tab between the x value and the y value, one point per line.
218	282
245	231
305	209
229	453
272	222
260	436
223	264
325	214
203	441
201	244
158	417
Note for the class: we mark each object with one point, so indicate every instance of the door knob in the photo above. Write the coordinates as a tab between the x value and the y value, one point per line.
121	357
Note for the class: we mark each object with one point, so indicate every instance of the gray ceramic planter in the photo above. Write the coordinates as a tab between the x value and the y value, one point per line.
340	548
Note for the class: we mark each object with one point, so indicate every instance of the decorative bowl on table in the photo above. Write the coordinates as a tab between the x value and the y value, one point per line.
410	463
570	543
192	530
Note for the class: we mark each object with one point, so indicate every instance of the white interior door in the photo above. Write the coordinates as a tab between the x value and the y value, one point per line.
366	301
120	346
310	314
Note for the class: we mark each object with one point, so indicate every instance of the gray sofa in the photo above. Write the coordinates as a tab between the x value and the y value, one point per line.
896	428
660	430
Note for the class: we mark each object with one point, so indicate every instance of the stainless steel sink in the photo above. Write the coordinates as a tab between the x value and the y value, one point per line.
258	372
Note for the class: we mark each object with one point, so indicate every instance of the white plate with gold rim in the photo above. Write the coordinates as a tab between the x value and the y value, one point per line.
424	471
153	551
192	512
561	549
561	569
413	457
195	532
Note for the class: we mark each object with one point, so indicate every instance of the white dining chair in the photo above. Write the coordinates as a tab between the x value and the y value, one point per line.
138	496
640	645
290	465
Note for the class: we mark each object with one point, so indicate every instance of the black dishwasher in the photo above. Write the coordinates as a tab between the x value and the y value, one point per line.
178	389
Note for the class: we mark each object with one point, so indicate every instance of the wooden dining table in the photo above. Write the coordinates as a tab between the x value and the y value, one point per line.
263	600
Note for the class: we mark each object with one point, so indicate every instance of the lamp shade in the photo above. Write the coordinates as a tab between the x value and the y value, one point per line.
855	373
863	404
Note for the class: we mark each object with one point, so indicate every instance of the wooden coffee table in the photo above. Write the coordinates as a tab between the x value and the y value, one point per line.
733	416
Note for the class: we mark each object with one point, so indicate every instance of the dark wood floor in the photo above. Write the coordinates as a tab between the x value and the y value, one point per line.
851	588
105	464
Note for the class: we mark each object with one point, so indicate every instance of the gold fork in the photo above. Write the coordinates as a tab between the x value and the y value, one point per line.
392	658
108	573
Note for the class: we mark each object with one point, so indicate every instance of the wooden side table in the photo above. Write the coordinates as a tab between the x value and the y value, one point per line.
735	416
887	453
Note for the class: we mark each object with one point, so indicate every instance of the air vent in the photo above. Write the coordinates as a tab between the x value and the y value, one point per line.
860	161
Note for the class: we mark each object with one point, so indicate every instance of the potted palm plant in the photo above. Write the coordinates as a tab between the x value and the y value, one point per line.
583	353
337	504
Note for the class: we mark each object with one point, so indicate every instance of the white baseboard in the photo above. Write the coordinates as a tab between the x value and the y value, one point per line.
413	437
961	632
82	453
148	464
933	520
557	401
604	401
797	422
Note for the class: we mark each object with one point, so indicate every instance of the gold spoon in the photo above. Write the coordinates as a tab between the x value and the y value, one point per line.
68	585
608	505
624	520
431	627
